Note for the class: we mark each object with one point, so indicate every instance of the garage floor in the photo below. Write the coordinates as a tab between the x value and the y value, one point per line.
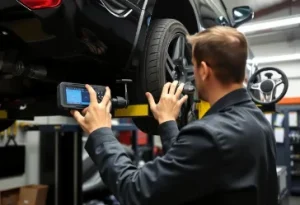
294	200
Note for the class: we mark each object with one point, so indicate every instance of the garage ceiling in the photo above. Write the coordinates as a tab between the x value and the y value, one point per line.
268	9
288	35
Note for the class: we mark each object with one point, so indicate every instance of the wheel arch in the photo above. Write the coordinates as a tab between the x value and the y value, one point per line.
158	9
183	11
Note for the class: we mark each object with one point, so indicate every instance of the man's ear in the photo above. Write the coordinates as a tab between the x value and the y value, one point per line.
204	70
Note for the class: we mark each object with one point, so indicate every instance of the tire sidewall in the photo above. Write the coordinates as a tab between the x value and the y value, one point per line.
173	28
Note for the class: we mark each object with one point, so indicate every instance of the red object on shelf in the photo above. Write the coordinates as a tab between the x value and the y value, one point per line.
125	137
142	138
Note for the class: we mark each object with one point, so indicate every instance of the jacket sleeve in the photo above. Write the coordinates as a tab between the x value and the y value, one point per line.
189	170
168	132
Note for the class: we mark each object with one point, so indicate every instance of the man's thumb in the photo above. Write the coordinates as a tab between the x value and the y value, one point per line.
77	116
150	99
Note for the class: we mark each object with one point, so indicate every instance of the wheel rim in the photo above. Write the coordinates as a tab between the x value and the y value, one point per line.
179	60
179	67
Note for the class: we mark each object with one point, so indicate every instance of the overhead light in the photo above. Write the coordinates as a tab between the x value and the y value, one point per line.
270	25
276	59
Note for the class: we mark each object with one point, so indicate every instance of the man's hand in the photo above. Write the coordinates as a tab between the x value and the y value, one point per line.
169	105
96	115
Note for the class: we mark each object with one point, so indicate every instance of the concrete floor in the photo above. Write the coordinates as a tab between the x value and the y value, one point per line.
294	200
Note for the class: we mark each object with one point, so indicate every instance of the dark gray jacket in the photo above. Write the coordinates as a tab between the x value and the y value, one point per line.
226	158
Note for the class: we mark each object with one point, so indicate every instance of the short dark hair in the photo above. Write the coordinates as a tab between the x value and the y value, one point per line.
224	49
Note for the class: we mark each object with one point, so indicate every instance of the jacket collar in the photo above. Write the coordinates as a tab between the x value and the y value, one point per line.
235	97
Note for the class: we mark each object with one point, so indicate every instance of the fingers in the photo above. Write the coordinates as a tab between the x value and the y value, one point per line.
150	99
182	100
77	116
166	88
93	94
108	107
107	97
84	111
173	87
179	90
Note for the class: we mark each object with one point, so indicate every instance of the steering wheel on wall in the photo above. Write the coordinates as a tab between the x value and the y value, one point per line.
264	91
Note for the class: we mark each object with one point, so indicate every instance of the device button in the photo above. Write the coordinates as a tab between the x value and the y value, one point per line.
99	96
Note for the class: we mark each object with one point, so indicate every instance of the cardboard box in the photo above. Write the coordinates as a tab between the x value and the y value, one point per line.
9	197
33	195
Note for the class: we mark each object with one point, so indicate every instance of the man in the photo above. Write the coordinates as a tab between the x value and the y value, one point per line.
226	158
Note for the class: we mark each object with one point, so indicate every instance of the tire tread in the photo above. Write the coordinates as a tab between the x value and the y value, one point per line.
151	78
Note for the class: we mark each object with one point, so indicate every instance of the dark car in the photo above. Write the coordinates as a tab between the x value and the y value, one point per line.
45	42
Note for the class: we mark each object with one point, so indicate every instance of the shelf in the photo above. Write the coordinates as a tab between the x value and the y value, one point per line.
124	127
295	173
75	128
295	156
52	128
289	151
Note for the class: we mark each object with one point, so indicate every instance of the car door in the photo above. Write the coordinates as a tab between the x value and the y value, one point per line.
210	13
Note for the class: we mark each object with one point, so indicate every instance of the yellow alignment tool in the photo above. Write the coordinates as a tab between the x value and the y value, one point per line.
139	110
143	110
3	114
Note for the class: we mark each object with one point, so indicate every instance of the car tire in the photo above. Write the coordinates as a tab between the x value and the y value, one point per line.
4	124
151	77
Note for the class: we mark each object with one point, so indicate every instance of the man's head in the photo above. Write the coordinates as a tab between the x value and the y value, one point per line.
219	58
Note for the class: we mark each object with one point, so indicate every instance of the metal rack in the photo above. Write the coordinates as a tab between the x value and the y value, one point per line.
58	145
289	151
60	162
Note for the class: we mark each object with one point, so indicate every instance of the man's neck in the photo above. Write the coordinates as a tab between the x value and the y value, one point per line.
221	91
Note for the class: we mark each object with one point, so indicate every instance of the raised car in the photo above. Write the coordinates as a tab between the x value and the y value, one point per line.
45	42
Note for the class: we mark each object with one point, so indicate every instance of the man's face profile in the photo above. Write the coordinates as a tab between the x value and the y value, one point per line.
199	72
213	64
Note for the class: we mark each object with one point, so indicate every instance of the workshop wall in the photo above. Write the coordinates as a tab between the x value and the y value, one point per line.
284	40
291	68
32	142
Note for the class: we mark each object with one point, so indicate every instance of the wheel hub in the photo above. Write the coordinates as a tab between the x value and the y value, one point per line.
179	67
181	71
178	73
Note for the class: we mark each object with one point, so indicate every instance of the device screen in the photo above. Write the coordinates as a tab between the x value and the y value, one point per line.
77	96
